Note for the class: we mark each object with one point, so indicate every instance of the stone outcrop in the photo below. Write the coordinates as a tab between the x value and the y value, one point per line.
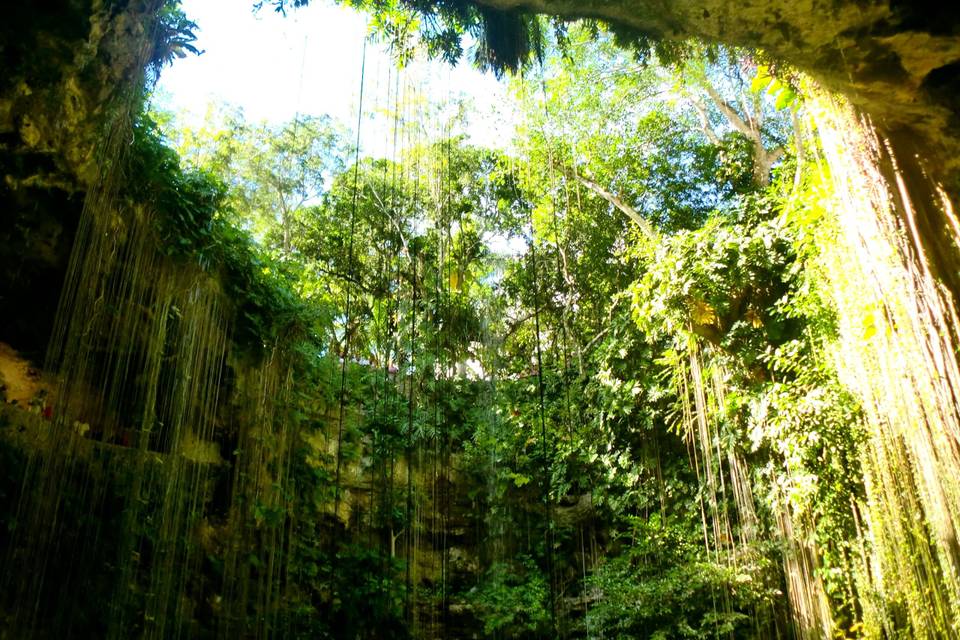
70	76
66	74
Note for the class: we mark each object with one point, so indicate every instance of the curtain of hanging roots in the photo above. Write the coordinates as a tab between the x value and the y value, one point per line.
726	481
897	350
133	453
260	494
140	349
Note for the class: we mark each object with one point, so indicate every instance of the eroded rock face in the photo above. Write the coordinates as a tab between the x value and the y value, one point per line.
69	72
68	67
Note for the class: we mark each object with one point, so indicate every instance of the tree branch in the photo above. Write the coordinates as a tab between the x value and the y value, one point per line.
763	160
701	110
615	200
731	114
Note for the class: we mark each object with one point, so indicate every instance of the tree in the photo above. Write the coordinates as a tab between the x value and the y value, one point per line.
722	88
275	170
602	122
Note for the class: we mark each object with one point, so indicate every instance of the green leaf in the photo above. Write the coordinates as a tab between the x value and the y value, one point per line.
762	80
785	99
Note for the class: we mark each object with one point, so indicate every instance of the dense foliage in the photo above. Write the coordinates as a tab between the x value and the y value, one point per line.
581	388
658	339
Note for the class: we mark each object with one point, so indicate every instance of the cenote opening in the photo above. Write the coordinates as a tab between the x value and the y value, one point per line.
434	319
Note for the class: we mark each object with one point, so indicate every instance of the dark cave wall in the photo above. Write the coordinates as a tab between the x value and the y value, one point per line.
69	69
36	234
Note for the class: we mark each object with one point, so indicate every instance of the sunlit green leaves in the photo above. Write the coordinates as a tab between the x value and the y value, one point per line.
765	82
